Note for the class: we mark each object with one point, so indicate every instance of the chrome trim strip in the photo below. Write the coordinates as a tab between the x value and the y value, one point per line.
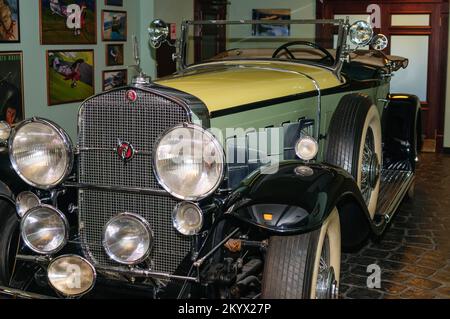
78	150
117	189
145	273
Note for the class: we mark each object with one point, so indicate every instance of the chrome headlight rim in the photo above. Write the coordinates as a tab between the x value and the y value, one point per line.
218	147
94	272
66	230
147	226
175	221
67	144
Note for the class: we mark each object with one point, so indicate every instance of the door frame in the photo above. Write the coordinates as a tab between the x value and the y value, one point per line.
434	108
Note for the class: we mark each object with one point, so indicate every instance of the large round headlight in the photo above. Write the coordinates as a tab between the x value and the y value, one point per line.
189	162
71	275
127	239
361	33
41	153
44	230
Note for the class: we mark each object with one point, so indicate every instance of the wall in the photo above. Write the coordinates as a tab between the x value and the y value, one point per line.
447	105
34	65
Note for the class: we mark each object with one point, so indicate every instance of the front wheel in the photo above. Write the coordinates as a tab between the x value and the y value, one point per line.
304	266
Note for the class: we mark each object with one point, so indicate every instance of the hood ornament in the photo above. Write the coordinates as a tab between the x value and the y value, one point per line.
141	78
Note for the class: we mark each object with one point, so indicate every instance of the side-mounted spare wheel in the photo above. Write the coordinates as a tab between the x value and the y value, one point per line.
354	143
304	266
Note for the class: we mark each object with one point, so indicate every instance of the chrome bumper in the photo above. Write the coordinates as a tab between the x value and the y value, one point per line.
10	293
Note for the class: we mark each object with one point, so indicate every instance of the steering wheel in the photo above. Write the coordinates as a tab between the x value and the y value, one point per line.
307	43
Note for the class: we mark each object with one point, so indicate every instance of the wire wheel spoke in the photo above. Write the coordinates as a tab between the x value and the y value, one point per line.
368	167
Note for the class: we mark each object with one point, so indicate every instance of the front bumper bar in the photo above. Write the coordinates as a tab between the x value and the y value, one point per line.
10	293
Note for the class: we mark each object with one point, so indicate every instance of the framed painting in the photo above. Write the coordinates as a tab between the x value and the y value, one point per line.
70	76
114	79
114	25
271	30
11	87
115	3
9	21
68	21
114	54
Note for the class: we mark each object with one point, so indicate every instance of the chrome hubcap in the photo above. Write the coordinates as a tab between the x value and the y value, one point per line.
370	167
327	285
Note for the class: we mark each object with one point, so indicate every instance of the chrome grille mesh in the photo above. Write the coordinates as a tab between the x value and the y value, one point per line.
103	120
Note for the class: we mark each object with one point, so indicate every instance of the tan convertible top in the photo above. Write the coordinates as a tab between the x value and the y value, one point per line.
367	57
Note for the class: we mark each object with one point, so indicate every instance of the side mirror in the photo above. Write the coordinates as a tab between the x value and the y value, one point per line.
158	32
5	131
361	33
380	42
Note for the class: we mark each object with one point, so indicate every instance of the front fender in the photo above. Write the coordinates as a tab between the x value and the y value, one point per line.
290	202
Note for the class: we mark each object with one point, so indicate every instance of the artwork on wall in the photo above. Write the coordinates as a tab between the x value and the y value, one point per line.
116	3
70	76
11	87
114	79
9	21
114	54
68	21
271	30
114	25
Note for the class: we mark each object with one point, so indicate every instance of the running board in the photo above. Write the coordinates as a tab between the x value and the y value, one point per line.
393	187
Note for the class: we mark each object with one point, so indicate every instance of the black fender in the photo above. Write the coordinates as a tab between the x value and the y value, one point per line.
298	198
402	128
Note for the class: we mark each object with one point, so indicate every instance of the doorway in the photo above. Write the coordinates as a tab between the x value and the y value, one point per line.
417	30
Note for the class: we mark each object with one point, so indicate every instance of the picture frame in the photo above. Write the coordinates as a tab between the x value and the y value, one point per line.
9	21
114	3
68	22
114	25
12	108
271	30
114	54
114	79
70	76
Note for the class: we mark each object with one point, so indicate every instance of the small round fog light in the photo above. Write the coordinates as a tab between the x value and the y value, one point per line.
71	276
26	201
44	229
127	239
5	131
188	218
306	148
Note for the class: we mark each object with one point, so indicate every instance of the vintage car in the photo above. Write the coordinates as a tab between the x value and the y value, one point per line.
241	176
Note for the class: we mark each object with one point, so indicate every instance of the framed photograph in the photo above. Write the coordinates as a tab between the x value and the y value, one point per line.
9	21
114	25
115	3
68	21
114	54
70	76
11	87
271	30
114	79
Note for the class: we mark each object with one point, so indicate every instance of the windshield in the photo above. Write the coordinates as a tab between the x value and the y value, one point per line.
311	41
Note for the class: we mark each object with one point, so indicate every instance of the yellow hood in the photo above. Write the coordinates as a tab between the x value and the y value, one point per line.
225	85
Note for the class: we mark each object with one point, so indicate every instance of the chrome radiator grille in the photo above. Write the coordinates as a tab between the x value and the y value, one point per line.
103	121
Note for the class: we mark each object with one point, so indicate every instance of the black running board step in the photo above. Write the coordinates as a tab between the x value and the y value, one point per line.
394	185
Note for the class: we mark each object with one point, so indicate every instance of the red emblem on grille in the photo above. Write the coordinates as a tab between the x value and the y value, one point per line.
132	95
125	151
